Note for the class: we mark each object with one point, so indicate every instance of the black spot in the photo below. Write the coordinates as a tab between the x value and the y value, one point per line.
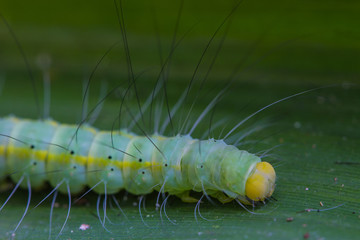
143	172
74	167
109	157
112	169
140	160
166	165
202	166
72	152
32	146
34	163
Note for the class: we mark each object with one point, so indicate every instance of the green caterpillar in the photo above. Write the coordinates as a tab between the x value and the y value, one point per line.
138	164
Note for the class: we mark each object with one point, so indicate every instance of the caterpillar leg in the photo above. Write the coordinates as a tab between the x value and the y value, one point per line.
6	186
185	197
221	197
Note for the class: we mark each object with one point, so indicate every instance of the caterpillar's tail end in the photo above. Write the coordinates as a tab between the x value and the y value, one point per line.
261	183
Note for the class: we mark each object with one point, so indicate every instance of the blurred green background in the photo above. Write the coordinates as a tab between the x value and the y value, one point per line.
277	48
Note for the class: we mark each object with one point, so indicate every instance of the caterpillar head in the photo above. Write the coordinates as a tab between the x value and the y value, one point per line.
261	183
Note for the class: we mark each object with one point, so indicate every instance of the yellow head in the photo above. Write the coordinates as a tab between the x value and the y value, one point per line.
261	183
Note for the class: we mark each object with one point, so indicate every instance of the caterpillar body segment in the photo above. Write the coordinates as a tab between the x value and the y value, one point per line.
103	156
68	156
107	162
29	159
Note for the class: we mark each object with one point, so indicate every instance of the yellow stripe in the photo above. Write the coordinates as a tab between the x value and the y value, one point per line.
42	155
26	152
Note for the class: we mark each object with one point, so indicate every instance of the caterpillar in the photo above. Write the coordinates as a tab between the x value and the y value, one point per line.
146	159
137	164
